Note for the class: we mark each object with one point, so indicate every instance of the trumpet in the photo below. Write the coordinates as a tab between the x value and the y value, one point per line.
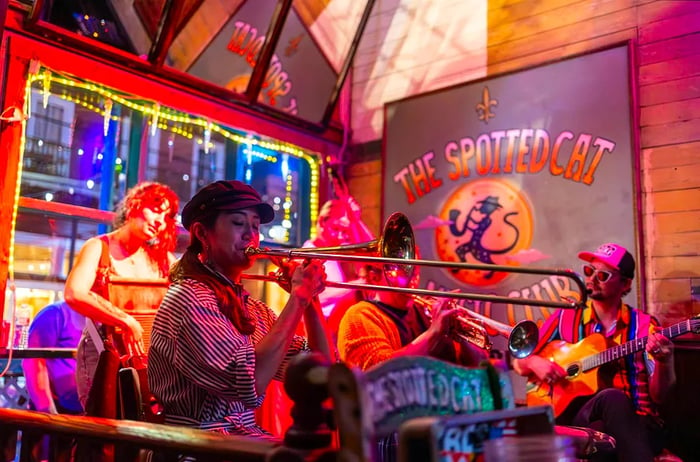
472	328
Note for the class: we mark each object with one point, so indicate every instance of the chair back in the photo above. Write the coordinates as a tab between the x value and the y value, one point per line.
140	298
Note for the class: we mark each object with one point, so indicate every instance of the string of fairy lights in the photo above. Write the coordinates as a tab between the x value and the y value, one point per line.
101	100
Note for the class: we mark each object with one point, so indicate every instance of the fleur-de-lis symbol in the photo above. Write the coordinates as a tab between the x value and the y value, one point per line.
293	45
484	107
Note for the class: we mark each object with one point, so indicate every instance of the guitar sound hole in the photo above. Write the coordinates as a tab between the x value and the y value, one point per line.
572	370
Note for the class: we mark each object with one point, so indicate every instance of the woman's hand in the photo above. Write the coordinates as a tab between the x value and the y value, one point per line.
308	280
283	275
132	336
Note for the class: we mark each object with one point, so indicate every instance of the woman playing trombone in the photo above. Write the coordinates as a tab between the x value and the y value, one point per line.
214	349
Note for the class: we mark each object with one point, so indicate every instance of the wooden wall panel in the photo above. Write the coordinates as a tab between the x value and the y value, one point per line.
674	90
525	33
556	26
675	47
672	178
684	131
569	49
667	224
680	200
671	155
673	111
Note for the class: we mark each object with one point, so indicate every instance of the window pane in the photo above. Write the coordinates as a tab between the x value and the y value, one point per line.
85	145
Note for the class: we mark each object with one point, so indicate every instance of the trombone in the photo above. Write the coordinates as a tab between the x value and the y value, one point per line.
397	249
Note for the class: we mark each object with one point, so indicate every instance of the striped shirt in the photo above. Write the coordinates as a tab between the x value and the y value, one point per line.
632	372
200	368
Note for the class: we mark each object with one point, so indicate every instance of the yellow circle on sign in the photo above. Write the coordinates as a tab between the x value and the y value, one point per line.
491	220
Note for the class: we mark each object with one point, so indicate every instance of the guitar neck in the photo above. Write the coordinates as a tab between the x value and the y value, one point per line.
633	346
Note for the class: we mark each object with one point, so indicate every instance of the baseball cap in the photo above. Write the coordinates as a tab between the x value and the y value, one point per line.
225	195
614	255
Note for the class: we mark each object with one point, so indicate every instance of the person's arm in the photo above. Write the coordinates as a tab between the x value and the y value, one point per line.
81	298
663	375
317	331
471	355
359	231
536	367
438	338
38	385
43	333
306	283
539	368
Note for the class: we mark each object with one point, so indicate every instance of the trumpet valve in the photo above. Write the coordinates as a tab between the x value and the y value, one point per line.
251	251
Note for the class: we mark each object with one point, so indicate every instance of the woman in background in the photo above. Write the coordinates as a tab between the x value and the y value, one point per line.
140	247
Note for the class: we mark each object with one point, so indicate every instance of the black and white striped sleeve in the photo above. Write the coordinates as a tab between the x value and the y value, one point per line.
208	349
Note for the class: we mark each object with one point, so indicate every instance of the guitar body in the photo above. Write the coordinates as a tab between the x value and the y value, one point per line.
594	351
578	383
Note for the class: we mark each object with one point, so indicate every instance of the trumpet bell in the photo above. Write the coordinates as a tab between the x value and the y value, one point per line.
523	339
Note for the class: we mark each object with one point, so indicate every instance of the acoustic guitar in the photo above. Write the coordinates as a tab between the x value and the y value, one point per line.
581	362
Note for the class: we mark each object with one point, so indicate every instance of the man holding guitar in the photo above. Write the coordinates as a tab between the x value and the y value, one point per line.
605	366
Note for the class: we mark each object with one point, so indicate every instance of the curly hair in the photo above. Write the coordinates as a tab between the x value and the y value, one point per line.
189	266
153	195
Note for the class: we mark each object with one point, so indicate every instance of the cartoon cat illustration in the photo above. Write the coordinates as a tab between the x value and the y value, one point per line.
478	221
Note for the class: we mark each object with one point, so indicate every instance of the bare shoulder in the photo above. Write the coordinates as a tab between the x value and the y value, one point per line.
91	249
172	258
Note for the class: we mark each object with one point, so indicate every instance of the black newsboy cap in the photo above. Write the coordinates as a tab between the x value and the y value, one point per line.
225	195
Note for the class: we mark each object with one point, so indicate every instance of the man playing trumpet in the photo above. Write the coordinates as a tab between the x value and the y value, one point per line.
391	324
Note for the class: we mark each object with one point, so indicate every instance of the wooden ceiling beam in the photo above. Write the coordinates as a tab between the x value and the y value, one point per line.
167	28
347	64
272	37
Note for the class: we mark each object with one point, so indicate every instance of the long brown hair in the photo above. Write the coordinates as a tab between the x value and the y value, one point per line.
152	195
190	266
